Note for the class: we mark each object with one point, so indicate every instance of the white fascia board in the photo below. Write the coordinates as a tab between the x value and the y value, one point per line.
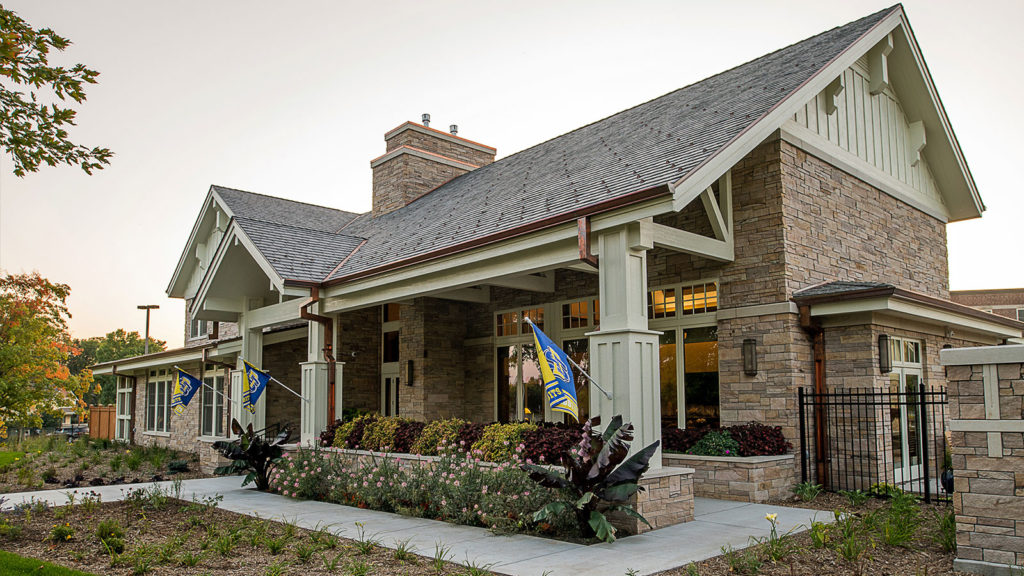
512	256
982	355
173	289
274	314
687	188
928	314
947	127
143	363
817	146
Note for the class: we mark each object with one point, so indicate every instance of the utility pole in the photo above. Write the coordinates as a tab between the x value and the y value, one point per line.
147	308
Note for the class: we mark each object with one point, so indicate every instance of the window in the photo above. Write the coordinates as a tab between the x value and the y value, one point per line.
1020	314
197	328
700	298
661	303
211	407
536	315
574	315
520	386
158	401
122	430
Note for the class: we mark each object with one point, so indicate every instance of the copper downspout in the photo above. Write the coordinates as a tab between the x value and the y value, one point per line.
328	348
817	334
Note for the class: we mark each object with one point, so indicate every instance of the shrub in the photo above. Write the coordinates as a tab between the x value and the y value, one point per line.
304	474
470	434
380	434
437	433
355	435
678	440
327	436
807	491
549	441
250	453
406	434
715	443
501	441
61	533
342	433
109	529
759	440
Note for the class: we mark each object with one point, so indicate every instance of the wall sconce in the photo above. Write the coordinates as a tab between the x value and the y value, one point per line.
408	373
750	357
884	359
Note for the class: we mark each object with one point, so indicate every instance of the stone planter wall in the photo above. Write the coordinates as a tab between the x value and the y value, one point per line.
667	498
746	479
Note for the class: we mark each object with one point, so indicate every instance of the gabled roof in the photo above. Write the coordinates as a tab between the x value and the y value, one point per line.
670	145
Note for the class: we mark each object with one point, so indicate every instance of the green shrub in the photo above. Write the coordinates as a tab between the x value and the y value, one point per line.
341	434
61	533
716	443
380	434
501	441
109	529
436	433
944	533
807	491
350	435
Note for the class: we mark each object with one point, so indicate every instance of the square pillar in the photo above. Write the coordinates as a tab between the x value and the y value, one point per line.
624	353
314	407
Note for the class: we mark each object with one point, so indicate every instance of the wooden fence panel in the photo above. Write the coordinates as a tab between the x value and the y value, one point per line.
101	422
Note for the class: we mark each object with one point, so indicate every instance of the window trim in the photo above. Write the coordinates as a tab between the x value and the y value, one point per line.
161	384
193	324
218	403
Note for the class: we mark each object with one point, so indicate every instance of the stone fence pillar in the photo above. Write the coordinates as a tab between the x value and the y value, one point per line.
986	407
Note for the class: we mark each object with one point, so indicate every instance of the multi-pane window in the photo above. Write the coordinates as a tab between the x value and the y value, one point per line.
905	351
574	315
699	298
508	323
211	406
122	431
661	303
158	401
536	315
198	328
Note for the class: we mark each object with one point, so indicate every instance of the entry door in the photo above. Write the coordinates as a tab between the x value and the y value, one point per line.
905	411
389	388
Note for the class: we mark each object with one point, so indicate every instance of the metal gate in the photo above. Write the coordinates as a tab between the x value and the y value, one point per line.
874	439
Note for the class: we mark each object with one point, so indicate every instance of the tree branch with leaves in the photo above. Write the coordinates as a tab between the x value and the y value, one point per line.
33	132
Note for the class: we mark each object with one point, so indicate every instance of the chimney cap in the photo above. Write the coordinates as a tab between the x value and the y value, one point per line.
454	129
426	119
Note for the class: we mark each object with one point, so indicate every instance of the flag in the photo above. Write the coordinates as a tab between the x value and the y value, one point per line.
253	384
185	386
558	381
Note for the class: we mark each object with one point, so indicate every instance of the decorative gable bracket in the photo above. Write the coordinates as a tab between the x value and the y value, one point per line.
719	212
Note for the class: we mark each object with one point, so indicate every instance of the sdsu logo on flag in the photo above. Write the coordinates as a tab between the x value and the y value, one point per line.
253	384
558	380
185	386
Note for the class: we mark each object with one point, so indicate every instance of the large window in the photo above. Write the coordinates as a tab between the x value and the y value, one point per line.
211	406
158	401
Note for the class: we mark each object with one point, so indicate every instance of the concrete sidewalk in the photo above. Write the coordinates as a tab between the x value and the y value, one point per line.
718	523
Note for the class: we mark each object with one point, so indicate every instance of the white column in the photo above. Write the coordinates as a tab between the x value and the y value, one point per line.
252	350
624	353
314	383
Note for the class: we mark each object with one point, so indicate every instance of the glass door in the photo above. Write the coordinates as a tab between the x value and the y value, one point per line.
905	412
389	389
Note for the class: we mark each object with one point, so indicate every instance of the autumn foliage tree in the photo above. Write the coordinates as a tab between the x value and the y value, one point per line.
34	349
33	131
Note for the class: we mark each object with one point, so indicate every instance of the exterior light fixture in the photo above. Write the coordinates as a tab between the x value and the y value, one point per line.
408	373
750	357
884	357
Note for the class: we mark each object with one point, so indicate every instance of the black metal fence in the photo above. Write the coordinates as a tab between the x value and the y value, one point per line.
872	439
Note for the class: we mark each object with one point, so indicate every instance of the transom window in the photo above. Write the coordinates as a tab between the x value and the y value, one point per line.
511	323
661	303
158	401
685	300
574	315
699	298
905	351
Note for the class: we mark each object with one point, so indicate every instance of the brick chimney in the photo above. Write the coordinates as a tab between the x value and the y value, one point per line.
419	159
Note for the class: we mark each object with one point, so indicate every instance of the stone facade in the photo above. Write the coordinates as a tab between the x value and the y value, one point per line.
419	159
359	347
988	465
753	479
282	361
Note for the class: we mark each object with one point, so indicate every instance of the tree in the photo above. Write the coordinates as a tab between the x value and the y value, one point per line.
32	132
34	349
114	346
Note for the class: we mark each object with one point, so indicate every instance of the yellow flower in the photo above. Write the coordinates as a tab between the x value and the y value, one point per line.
68	537
771	517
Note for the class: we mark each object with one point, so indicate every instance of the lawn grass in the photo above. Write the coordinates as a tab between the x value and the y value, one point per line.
14	565
7	458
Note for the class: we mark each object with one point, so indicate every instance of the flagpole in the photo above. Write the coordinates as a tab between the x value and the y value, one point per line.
215	391
578	367
281	384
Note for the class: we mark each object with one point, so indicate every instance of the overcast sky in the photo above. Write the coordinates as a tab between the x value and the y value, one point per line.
293	98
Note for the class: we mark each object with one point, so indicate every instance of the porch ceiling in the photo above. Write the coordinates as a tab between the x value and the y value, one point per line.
237	278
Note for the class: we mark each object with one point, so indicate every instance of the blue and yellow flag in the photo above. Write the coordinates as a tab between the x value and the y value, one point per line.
185	387
558	381
254	382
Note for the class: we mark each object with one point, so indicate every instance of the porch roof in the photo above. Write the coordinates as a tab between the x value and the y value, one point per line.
845	297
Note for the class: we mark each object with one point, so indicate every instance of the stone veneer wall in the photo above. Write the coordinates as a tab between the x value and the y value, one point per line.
283	361
432	332
988	457
751	479
359	343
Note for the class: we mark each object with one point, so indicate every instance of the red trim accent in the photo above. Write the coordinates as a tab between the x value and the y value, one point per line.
449	134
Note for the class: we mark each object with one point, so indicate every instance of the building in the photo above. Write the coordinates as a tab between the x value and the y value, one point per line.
705	253
1008	302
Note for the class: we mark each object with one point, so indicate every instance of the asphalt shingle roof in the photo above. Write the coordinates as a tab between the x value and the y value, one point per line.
839	287
652	144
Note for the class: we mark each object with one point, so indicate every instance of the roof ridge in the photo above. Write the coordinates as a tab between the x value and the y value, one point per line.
303	228
219	187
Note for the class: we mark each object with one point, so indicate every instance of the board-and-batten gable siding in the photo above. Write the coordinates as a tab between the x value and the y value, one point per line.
872	127
205	255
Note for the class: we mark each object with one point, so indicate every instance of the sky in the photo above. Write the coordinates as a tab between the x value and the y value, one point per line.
292	99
